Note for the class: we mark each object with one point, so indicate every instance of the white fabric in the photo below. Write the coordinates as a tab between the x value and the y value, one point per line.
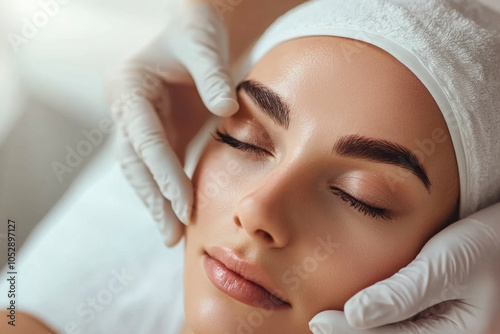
449	47
107	248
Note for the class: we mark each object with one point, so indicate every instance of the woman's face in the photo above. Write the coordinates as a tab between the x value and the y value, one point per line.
332	176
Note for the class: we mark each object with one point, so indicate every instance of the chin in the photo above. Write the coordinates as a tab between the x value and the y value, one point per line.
209	315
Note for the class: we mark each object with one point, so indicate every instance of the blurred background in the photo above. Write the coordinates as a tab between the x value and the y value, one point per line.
54	58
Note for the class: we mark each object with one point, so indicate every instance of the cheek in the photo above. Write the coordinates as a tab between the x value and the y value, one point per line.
216	182
360	258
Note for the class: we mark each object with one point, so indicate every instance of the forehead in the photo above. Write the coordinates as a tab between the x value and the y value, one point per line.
349	86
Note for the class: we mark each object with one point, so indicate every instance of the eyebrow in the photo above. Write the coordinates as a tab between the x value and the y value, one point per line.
268	101
383	151
354	146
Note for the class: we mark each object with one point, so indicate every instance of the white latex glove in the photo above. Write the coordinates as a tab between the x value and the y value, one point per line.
455	279
194	46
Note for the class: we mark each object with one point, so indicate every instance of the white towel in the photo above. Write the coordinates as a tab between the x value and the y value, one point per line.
452	46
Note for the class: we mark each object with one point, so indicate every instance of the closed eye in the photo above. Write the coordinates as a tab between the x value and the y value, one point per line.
362	207
239	145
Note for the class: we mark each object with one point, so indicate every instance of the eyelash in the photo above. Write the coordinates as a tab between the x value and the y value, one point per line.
239	145
364	208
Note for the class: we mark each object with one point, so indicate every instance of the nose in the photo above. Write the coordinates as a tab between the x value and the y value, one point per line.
268	211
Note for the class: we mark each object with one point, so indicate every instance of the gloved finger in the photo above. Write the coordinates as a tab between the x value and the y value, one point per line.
449	317
449	259
144	129
334	322
205	54
331	322
146	188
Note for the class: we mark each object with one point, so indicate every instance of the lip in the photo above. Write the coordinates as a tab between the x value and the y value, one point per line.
240	279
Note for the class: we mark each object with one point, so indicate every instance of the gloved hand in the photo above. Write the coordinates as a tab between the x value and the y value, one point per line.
455	281
153	136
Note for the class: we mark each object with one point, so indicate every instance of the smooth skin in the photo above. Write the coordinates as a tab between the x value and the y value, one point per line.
276	206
